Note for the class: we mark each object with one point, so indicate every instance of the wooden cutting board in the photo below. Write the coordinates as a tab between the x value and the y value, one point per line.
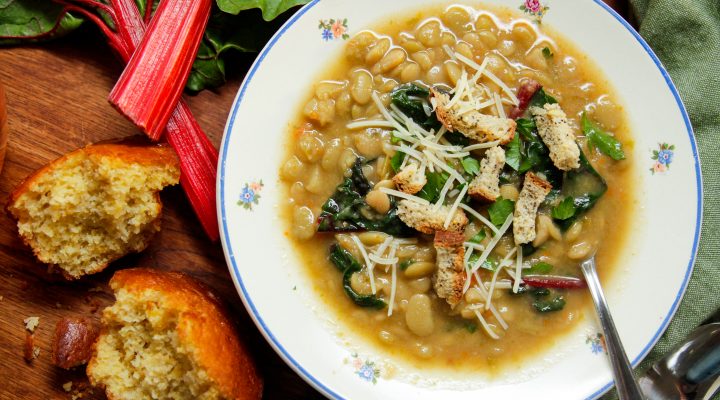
56	99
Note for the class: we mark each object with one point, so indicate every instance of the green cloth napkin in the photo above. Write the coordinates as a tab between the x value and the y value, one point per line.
685	34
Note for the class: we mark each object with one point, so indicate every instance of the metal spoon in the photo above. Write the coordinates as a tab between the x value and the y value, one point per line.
627	386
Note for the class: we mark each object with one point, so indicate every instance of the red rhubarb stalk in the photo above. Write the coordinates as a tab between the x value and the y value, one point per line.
554	282
525	93
198	157
153	80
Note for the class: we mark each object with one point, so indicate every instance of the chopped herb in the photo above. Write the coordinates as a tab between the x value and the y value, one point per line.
348	265
347	211
471	166
539	268
396	160
490	264
295	287
406	98
547	52
564	210
601	140
500	210
405	264
433	187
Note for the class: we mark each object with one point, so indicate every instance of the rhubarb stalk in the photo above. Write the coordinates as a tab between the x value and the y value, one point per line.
153	80
198	157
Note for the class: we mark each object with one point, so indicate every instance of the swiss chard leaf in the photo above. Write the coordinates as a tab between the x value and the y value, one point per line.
396	161
347	210
585	186
541	98
34	21
227	34
270	8
514	153
471	166
478	237
407	98
348	265
544	306
564	210
433	187
500	210
405	264
539	268
598	138
547	53
457	139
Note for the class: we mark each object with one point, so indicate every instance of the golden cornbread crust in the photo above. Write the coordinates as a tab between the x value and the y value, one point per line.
189	311
94	205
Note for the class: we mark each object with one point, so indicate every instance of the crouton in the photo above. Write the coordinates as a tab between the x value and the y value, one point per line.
486	186
169	337
94	205
426	220
410	179
555	131
73	342
473	124
531	196
449	277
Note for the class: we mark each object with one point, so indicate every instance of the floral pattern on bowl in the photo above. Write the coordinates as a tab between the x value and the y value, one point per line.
332	29
366	370
250	194
663	157
535	9
597	343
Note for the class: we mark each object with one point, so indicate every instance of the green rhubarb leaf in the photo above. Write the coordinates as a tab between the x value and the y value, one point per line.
270	8
33	21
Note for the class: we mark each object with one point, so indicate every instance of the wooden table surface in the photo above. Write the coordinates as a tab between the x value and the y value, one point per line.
56	99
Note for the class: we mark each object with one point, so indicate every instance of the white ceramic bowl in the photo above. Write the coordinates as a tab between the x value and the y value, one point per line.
657	261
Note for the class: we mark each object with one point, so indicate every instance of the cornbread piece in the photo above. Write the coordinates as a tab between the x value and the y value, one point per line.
94	205
73	341
409	179
426	220
531	196
555	131
473	124
449	279
168	337
486	186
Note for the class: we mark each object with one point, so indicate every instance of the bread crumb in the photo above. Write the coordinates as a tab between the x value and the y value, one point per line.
31	323
1	297
67	386
35	352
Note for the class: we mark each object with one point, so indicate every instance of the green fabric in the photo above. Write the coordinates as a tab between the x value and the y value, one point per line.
685	34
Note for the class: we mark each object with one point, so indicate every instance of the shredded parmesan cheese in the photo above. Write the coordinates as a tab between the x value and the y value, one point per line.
518	270
360	247
369	124
455	205
485	325
480	218
489	249
393	281
397	193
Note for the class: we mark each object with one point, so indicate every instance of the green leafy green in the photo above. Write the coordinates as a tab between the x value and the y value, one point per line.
471	166
457	139
409	98
513	153
539	268
585	186
564	210
478	237
470	327
540	98
394	139
547	53
348	265
346	210
433	187
598	138
491	263
405	264
500	210
270	8
543	306
34	21
396	160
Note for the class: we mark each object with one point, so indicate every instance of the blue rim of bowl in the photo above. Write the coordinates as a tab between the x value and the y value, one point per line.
250	306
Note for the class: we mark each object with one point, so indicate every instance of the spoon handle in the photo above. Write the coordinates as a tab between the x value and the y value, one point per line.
627	386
